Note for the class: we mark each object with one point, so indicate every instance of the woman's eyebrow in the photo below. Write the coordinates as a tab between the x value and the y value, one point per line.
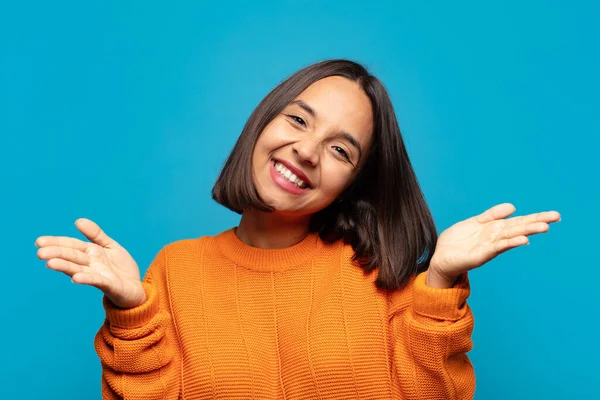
305	107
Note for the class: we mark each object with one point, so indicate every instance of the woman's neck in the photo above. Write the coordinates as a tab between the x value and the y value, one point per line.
271	230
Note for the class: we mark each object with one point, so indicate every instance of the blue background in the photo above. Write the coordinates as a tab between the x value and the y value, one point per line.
124	112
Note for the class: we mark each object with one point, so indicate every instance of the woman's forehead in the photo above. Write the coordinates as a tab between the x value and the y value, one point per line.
338	101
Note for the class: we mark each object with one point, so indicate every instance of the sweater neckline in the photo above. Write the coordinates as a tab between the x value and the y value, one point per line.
267	260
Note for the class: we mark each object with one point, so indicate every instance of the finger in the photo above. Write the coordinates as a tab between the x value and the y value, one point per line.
92	231
66	267
524	230
66	253
92	279
503	245
546	216
499	211
62	241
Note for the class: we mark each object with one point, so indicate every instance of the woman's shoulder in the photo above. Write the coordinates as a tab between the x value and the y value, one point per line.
194	244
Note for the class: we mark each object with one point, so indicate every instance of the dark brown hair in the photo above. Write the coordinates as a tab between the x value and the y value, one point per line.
383	214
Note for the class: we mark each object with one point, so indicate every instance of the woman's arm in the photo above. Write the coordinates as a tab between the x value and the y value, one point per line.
432	334
138	347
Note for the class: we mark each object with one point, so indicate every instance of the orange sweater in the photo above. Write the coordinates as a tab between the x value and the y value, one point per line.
230	321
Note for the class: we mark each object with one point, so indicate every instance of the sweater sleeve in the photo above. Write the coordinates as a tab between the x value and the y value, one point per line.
138	347
431	336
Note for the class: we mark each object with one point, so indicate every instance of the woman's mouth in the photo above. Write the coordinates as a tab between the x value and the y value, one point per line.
289	175
286	179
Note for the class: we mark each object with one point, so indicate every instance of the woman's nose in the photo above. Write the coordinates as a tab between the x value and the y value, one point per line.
307	151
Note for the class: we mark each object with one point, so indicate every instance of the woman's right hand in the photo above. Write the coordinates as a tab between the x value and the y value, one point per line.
103	263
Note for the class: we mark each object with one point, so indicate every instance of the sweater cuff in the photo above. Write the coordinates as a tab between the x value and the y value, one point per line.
442	304
133	317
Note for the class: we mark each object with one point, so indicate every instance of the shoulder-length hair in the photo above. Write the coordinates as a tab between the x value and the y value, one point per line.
383	214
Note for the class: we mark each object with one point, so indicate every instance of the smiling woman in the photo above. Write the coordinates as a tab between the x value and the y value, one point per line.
333	125
334	285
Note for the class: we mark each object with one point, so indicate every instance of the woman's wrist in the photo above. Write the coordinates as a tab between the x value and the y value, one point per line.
438	281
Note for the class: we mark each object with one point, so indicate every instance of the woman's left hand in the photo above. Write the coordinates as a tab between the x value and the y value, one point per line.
471	243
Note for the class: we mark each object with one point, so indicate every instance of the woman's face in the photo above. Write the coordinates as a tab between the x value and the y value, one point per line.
309	153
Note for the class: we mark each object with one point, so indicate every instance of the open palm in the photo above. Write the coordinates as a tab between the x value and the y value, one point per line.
471	243
101	263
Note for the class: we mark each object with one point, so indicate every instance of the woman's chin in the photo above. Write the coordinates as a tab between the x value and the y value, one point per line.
289	210
286	205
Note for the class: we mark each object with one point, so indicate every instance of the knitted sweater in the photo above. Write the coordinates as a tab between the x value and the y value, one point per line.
230	321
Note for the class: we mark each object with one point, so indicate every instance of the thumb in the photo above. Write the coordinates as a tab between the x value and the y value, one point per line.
92	231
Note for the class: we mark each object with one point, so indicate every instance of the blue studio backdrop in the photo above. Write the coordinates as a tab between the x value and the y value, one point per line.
124	112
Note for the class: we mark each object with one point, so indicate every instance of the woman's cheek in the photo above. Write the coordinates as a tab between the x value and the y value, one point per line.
278	131
334	179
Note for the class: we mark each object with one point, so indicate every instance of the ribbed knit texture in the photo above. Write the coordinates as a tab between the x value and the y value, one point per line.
224	320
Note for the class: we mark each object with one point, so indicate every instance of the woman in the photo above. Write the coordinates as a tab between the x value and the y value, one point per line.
334	284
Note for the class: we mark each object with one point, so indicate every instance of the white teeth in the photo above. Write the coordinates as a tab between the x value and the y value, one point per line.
287	174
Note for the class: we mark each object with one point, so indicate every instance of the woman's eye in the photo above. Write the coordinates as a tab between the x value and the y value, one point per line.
342	152
297	120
